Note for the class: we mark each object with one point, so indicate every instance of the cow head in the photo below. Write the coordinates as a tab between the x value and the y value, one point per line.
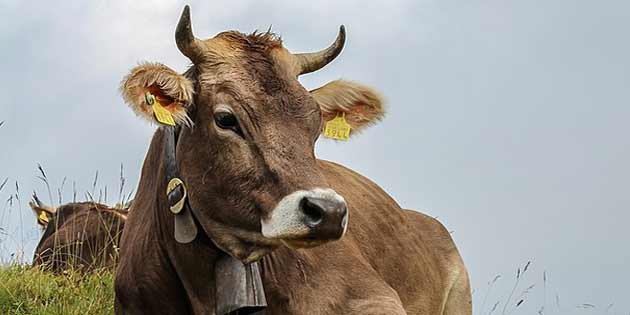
43	213
248	130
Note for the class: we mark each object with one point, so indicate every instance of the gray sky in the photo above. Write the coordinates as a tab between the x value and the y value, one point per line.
508	120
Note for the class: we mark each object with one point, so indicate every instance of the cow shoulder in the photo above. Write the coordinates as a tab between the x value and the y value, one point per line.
445	251
433	231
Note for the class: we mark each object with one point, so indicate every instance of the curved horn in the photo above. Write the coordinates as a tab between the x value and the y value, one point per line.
309	62
190	46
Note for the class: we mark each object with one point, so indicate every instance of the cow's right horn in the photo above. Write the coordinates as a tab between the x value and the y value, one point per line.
309	62
190	46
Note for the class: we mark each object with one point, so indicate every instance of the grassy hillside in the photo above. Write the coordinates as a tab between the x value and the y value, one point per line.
28	290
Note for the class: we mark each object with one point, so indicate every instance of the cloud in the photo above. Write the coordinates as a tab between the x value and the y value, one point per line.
507	120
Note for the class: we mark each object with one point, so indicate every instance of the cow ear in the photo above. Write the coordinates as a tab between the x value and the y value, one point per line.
361	105
43	213
158	94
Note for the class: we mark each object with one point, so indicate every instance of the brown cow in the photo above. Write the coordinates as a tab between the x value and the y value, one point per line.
237	174
81	236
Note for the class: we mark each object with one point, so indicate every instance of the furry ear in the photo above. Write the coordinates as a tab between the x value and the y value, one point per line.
42	212
171	93
361	105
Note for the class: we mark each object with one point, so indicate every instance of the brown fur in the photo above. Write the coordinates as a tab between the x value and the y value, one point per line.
389	262
174	92
43	213
361	105
81	236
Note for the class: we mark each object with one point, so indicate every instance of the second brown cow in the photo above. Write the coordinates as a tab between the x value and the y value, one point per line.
81	236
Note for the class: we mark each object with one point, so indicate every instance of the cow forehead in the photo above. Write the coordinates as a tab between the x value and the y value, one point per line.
233	44
257	58
260	74
253	41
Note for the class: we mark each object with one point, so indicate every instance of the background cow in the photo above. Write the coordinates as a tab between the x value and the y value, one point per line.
81	235
233	171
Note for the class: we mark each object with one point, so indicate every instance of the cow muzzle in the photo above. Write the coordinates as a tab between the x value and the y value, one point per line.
307	218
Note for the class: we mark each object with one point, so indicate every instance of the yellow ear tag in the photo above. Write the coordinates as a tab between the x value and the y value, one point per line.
43	217
337	128
161	114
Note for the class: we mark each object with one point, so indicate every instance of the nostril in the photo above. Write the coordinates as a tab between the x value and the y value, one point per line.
314	213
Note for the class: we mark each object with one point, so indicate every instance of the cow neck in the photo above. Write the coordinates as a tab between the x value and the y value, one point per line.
50	230
238	287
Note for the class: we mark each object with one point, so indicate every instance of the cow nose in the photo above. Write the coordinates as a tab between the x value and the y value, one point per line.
326	217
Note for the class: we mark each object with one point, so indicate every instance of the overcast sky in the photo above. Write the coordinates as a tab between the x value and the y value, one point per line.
508	120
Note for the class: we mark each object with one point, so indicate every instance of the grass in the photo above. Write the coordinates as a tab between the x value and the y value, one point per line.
30	290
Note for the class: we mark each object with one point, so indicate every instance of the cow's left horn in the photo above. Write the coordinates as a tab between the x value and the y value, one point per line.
190	46
309	62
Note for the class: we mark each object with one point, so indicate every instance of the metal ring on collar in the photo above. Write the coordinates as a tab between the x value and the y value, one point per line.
176	195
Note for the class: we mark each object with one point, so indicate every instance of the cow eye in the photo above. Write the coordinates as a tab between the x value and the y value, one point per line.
227	120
